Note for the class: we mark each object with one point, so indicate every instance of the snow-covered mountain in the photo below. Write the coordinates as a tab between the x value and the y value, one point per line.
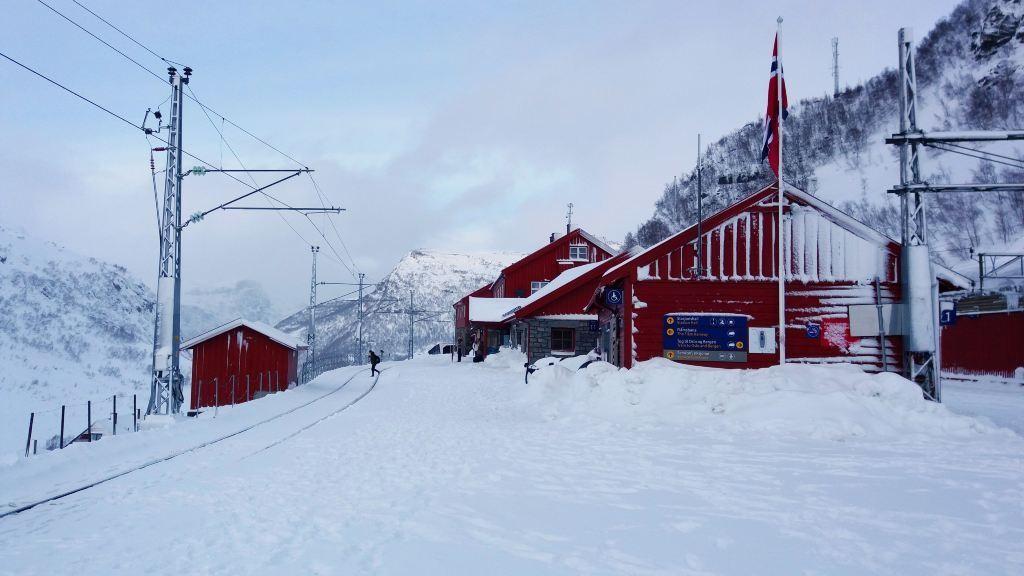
203	308
970	75
435	280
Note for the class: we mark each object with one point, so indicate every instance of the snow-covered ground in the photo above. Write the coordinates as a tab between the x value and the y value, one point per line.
463	469
996	400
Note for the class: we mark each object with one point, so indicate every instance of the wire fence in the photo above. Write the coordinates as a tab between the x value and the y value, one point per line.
88	421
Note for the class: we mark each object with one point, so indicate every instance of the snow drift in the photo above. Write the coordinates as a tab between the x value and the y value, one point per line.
829	402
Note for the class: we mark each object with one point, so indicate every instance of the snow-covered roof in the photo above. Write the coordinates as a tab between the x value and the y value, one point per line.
492	309
598	241
282	338
562	279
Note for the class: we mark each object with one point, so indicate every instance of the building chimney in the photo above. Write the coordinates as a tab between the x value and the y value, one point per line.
555	236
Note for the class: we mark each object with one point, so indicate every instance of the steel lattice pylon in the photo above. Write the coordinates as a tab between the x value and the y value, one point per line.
920	351
165	390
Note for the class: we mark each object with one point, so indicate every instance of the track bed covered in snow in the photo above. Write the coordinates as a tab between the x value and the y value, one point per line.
447	469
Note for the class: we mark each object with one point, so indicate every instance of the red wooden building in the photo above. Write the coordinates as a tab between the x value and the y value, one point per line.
239	361
986	337
832	262
484	324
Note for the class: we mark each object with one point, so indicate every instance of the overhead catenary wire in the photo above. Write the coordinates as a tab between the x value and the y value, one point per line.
979	156
353	269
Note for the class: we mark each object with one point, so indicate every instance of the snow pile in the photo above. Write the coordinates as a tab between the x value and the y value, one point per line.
826	402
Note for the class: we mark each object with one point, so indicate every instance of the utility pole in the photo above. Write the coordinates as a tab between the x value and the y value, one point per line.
311	331
835	67
700	211
921	361
568	220
359	352
412	324
165	387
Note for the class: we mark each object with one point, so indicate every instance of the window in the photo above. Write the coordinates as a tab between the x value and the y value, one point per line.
563	340
578	252
534	286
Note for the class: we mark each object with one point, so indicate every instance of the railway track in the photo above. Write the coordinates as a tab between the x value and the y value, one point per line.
18	509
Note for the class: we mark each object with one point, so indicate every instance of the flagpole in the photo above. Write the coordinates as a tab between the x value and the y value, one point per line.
781	266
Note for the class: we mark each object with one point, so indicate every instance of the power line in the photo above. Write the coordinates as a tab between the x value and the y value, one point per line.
72	92
207	111
978	156
123	33
105	43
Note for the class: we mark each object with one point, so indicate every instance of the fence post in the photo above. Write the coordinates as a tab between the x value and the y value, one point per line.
88	419
35	447
135	414
115	414
61	426
28	442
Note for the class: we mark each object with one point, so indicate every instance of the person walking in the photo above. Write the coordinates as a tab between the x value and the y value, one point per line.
374	360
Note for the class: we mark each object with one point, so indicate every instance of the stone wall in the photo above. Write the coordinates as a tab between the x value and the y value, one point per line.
539	338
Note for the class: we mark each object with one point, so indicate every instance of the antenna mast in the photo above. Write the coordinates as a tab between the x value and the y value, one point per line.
568	220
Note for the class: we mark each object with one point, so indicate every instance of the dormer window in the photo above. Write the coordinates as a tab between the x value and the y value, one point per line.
535	286
578	253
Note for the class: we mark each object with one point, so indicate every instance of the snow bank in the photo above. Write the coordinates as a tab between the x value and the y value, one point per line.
829	402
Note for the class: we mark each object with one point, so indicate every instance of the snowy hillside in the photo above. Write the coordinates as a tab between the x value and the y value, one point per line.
971	77
436	280
71	328
74	328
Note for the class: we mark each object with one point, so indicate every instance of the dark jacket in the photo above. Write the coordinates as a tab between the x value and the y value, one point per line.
374	359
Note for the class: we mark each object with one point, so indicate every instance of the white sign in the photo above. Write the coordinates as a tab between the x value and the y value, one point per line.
761	340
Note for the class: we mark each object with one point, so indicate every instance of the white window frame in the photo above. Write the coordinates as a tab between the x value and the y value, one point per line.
579	248
536	285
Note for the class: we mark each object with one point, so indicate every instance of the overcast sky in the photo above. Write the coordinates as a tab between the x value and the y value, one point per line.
463	126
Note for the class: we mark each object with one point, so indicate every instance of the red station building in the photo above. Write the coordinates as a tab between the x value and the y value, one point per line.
840	273
480	316
239	361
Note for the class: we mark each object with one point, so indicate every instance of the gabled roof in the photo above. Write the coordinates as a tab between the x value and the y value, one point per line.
282	338
792	193
566	282
640	258
551	246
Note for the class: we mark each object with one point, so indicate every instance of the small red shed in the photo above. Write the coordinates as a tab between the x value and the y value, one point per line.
650	304
239	361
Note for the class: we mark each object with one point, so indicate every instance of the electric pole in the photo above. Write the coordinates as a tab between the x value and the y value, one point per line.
359	352
568	220
311	332
700	212
412	324
165	387
835	67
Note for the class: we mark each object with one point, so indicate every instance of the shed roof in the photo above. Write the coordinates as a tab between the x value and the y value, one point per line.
492	309
282	338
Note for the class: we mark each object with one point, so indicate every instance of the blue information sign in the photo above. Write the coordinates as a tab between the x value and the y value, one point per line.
705	337
947	317
593	325
813	331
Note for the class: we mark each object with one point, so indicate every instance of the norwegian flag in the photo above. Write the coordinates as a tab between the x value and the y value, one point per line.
770	143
